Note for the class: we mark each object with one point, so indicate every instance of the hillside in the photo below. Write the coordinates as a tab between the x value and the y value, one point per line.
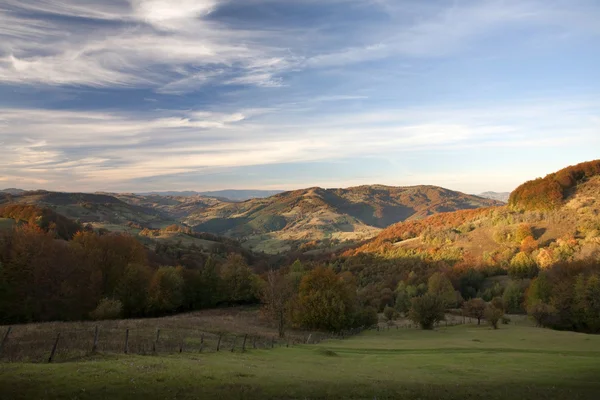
506	236
99	209
287	220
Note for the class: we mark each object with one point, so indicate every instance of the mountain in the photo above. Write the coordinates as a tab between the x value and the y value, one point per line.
225	195
242	195
326	216
13	191
548	220
500	196
176	207
101	209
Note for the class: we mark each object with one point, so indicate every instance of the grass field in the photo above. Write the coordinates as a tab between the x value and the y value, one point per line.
460	362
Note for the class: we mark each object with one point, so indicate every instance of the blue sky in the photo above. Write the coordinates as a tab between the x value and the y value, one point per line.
139	95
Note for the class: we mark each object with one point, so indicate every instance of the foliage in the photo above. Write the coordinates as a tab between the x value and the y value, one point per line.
107	309
514	297
541	313
132	289
325	301
523	266
44	218
439	285
475	308
390	313
426	310
166	290
240	285
548	193
493	314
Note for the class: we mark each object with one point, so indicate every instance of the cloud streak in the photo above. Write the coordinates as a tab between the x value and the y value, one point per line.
113	149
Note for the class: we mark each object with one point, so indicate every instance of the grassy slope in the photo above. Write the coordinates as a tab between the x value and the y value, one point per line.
515	362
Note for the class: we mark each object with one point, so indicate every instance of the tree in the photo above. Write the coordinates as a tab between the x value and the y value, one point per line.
522	266
166	290
475	308
513	297
132	289
390	313
439	285
240	284
402	303
587	303
493	315
325	301
276	296
540	289
426	310
541	313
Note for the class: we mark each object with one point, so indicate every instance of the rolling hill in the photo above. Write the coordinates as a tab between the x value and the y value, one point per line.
291	219
87	208
545	222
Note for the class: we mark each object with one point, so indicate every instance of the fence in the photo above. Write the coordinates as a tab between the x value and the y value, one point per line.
20	344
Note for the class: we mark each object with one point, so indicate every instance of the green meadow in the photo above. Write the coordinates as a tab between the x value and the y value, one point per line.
459	362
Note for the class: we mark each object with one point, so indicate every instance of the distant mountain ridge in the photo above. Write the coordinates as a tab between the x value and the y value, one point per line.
500	196
313	217
230	194
280	222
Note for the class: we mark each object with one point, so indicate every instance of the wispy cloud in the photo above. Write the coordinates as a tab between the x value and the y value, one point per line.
113	149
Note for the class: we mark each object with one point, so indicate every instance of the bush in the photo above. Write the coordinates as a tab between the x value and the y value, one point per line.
365	317
493	315
427	310
390	314
505	320
107	309
541	313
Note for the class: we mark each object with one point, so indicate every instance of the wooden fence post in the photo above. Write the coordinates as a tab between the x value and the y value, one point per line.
54	348
201	342
155	344
95	345
234	341
181	345
244	344
219	343
5	338
126	341
272	342
254	342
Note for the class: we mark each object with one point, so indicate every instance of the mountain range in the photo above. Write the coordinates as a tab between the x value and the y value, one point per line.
300	219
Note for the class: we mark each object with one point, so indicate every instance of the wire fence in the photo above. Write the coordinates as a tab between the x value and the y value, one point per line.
20	344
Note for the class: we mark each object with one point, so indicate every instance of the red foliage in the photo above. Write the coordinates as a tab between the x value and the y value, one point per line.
549	192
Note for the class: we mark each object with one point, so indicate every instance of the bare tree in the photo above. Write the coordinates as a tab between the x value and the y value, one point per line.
276	296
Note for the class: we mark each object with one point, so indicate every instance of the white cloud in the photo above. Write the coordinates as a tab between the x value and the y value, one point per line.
96	149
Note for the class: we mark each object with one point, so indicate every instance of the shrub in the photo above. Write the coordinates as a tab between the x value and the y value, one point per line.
427	310
390	314
365	317
541	313
493	315
107	309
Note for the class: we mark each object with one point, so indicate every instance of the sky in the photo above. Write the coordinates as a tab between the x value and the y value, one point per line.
143	95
